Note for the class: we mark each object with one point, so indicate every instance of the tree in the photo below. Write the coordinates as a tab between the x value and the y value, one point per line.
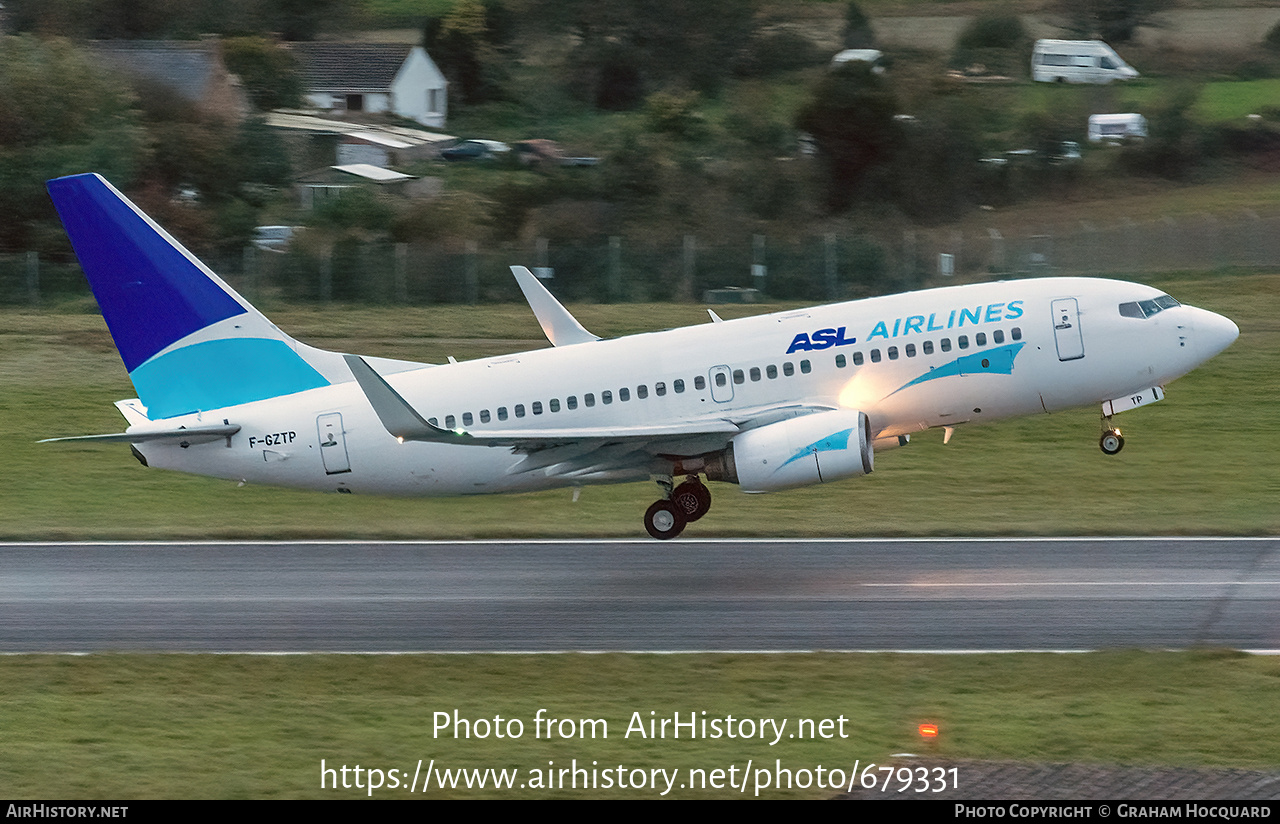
469	46
1115	21
58	115
268	72
851	119
650	45
858	33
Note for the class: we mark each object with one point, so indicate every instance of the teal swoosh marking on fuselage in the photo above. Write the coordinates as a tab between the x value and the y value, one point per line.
834	441
220	373
999	362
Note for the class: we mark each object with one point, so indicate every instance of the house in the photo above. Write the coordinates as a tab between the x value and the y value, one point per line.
191	69
373	78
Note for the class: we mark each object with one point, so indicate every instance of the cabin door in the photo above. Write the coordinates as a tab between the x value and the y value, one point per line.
333	444
1066	329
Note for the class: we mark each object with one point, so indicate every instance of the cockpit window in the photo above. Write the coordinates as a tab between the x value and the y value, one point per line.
1147	308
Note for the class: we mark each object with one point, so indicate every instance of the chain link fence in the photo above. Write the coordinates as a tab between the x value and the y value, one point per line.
819	268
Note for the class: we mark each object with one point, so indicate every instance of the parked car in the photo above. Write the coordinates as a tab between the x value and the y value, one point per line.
475	149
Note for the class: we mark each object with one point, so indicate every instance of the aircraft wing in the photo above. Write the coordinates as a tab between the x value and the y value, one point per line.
403	421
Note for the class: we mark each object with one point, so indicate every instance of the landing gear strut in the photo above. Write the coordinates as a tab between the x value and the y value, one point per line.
1111	441
679	506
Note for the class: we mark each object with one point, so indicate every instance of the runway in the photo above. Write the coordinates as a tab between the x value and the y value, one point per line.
730	595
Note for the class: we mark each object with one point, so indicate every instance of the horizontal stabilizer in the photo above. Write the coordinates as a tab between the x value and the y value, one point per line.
560	327
190	434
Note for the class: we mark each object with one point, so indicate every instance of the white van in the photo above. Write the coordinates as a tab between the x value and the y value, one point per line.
1116	127
1078	61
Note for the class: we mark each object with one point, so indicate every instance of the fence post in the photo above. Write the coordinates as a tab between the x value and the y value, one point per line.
759	269
471	273
829	264
401	273
33	278
614	286
997	252
326	274
690	264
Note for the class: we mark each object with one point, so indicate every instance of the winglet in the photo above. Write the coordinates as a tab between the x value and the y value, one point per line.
560	327
397	416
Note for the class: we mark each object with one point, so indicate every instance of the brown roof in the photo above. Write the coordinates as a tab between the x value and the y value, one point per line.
349	66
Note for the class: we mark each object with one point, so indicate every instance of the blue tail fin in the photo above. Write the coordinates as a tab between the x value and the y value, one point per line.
189	341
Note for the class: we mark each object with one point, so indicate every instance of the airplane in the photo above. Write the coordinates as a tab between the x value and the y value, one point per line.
770	402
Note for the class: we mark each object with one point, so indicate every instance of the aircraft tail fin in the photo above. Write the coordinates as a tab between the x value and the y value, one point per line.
189	341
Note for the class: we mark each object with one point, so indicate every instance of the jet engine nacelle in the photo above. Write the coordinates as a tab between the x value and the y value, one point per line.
811	449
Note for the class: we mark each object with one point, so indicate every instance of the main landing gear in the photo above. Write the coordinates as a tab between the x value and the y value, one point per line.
679	506
1111	441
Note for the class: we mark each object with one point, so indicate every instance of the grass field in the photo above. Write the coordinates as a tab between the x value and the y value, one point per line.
179	726
1200	462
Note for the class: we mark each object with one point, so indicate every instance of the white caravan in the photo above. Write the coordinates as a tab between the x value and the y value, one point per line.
1116	127
769	402
1078	61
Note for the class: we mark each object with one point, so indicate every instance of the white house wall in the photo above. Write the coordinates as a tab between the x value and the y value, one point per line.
413	87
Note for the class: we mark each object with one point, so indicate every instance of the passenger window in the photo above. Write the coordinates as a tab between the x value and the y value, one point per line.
840	362
806	367
928	347
624	394
1016	333
502	413
467	420
755	373
571	401
606	397
738	377
721	380
910	350
555	404
980	339
519	410
875	355
699	382
642	391
788	369
771	371
963	341
997	336
659	389
589	399
945	344
450	422
893	353
678	385
857	358
484	416
536	406
433	421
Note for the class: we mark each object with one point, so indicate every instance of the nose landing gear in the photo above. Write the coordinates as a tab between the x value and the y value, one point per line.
1111	441
666	518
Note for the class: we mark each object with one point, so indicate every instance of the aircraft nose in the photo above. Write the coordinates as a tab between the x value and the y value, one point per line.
1214	333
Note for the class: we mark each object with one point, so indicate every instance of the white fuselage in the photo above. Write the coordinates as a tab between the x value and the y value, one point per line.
942	357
